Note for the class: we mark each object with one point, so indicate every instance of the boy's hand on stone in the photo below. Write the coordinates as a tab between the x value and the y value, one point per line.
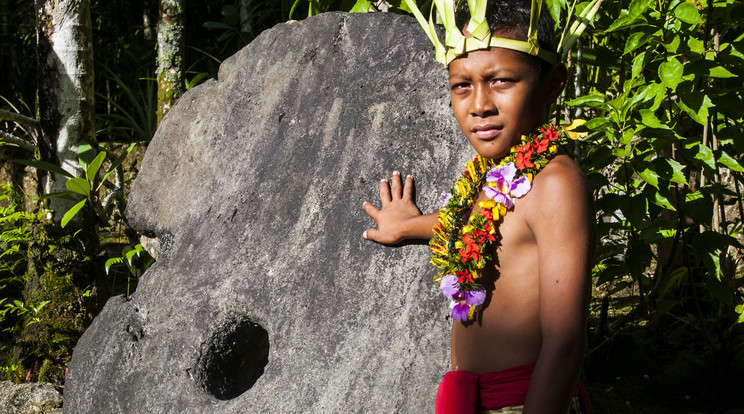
396	218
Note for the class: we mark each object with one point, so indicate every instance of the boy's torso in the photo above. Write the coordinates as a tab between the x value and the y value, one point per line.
507	331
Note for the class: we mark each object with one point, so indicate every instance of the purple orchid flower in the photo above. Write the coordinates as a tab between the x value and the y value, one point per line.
503	188
444	197
461	302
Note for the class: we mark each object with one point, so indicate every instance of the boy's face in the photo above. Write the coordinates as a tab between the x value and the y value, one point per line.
498	96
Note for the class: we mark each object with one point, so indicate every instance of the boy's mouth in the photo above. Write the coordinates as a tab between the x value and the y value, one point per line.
487	131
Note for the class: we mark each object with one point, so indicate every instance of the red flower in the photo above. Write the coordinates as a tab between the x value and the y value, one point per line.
464	276
471	250
483	236
488	214
542	145
522	160
550	133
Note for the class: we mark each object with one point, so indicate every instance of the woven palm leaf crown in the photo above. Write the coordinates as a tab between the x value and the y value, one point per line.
479	37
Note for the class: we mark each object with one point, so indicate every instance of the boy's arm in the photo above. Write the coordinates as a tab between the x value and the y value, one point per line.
562	221
399	218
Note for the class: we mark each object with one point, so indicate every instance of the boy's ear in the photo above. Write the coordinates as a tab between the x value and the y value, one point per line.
556	80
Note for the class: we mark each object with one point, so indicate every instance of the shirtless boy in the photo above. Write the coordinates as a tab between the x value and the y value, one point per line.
537	279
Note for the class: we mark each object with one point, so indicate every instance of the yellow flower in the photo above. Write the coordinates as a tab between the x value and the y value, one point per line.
487	204
574	124
471	169
529	176
502	209
467	229
553	149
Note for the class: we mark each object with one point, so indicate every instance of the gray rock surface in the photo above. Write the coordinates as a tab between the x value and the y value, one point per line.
265	298
32	398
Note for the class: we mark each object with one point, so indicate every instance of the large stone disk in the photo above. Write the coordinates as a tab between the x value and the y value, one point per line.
265	298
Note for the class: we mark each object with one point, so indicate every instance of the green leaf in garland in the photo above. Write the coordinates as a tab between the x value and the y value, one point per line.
72	212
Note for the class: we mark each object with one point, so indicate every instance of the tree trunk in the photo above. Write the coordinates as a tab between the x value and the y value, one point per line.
170	55
65	88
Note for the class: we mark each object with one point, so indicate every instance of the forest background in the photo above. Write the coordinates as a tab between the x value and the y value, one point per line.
659	82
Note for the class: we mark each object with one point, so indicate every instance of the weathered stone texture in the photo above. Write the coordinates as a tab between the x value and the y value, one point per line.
33	398
254	184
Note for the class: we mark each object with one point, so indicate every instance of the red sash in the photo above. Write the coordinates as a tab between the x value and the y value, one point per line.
463	392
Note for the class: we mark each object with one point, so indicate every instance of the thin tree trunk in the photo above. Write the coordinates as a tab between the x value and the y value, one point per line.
245	21
170	55
148	20
65	87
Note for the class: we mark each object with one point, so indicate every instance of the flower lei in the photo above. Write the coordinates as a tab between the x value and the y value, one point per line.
458	249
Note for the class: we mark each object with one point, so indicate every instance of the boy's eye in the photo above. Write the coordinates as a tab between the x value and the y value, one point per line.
459	86
501	81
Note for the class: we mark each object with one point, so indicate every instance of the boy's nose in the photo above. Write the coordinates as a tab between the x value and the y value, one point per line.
483	102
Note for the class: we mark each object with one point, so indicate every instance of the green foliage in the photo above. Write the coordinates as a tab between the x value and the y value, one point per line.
136	259
664	101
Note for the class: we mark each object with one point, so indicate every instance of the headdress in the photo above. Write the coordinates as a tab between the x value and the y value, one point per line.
456	43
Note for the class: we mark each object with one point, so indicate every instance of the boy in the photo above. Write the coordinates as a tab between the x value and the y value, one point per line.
520	316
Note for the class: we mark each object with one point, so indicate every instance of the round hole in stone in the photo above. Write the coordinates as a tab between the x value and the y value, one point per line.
235	358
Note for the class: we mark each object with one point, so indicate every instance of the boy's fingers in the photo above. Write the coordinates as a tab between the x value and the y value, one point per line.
384	192
395	185
408	188
371	210
370	234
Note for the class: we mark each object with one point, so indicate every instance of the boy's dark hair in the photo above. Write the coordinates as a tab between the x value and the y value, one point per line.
512	18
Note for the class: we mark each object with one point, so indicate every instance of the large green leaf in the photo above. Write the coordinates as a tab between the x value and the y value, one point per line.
729	162
361	6
42	165
687	12
699	207
648	174
72	212
670	73
592	100
670	169
649	119
695	103
662	201
78	185
94	166
117	162
634	41
85	154
700	152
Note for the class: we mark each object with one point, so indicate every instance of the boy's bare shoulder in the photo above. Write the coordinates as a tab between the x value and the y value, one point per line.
560	187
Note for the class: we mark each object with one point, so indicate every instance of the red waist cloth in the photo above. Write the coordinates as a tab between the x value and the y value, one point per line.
463	392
